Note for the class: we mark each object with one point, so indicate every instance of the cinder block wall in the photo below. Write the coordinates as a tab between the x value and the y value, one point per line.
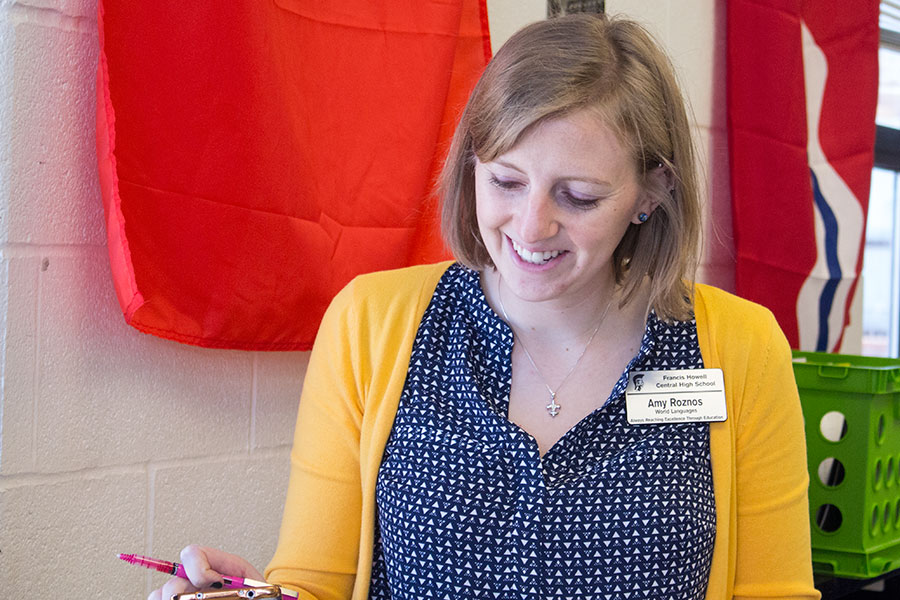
110	440
115	441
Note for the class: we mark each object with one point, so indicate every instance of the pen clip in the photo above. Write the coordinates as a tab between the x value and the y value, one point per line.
268	591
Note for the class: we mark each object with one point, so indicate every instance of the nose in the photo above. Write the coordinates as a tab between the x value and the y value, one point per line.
537	219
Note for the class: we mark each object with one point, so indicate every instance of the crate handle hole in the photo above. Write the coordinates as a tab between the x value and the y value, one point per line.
889	473
831	472
879	433
833	426
823	567
834	370
829	518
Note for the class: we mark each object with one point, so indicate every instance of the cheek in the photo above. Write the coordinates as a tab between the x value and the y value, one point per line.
601	236
486	212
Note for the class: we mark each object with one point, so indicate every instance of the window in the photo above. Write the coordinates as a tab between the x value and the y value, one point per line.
881	259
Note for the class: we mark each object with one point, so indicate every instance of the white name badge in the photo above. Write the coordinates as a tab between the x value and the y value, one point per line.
678	396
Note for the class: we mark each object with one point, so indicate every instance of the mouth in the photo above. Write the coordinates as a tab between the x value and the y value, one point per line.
535	258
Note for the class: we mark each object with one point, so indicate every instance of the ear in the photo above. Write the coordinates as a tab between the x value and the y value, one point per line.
660	180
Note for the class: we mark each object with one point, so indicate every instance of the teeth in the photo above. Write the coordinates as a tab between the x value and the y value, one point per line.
536	258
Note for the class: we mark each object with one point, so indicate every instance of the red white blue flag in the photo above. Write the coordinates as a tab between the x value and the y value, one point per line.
802	93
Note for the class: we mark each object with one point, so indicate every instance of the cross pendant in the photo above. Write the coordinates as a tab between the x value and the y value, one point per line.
553	407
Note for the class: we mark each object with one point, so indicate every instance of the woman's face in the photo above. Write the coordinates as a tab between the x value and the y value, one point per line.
552	209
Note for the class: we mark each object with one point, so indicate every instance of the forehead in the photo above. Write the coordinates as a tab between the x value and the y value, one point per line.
582	140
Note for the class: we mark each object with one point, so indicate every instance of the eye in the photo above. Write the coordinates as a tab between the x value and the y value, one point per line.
579	200
504	184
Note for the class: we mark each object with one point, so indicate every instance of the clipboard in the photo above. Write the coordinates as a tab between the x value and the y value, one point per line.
268	591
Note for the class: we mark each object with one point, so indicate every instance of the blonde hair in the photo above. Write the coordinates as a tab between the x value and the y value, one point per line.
553	68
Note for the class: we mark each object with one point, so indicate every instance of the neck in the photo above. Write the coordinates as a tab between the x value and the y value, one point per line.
565	321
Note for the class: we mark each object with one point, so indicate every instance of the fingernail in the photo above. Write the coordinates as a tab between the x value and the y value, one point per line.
217	585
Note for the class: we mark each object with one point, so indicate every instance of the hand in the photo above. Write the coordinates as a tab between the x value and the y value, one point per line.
204	567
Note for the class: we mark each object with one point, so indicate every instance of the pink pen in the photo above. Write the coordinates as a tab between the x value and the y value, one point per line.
164	566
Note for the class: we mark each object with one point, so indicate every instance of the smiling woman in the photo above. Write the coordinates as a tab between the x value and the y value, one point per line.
616	72
552	210
466	429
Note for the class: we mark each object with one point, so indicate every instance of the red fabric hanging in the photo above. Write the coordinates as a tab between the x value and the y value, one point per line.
802	92
256	155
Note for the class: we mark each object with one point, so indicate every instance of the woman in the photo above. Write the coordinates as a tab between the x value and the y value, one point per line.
464	429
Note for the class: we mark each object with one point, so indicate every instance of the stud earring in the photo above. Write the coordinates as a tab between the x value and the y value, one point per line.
643	217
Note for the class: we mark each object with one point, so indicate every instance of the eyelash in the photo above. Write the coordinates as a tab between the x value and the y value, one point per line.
582	203
574	201
503	185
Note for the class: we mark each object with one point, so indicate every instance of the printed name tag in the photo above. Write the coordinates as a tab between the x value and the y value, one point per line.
679	396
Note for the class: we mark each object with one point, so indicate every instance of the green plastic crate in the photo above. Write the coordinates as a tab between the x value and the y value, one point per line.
851	409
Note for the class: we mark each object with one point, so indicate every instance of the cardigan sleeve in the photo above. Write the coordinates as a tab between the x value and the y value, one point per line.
319	539
772	519
353	382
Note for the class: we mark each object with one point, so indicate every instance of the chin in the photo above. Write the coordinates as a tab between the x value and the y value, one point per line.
525	288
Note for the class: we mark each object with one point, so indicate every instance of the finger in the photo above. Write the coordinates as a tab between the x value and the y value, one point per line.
208	562
196	562
176	585
231	564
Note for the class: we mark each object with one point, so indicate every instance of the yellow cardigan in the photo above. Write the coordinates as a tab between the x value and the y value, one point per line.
352	388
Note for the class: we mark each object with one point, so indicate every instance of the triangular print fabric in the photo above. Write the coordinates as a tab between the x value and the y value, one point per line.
255	156
468	508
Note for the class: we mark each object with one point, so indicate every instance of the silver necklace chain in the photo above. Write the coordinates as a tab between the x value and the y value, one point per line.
553	407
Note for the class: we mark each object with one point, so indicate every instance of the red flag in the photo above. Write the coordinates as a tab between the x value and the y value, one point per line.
802	92
255	156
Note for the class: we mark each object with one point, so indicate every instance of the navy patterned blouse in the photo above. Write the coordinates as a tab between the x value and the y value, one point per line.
467	507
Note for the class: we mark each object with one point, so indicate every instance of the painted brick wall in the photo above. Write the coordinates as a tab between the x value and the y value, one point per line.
114	441
110	440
